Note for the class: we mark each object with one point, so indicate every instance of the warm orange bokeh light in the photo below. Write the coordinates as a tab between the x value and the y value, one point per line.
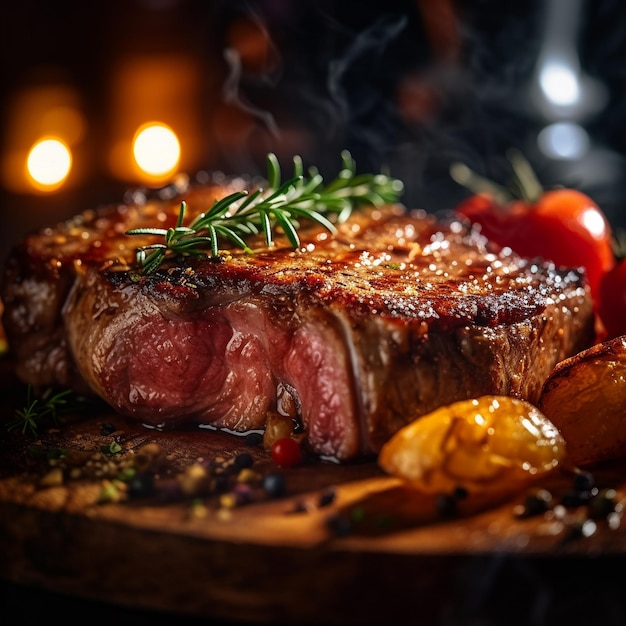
35	115
154	90
156	150
49	163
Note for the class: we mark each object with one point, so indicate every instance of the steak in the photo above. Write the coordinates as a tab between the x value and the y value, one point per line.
351	335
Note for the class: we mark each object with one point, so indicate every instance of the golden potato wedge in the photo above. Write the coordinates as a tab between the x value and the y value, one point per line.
585	398
488	445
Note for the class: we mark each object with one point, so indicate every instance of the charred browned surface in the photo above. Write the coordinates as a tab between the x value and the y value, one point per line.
351	335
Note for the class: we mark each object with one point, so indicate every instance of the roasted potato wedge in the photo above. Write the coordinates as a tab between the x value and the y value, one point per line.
488	445
585	398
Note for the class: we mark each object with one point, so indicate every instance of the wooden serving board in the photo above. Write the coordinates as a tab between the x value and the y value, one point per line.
374	553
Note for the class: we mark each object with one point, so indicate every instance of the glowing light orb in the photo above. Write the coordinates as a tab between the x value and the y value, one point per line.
564	140
156	149
49	163
560	84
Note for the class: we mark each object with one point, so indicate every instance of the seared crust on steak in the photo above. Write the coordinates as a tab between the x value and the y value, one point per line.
352	335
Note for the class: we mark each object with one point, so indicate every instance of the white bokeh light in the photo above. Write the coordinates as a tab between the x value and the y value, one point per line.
49	163
564	140
560	84
156	149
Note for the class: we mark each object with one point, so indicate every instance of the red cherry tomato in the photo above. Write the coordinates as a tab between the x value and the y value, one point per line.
564	226
612	308
286	452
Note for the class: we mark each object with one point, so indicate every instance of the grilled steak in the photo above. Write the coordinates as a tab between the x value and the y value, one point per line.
352	335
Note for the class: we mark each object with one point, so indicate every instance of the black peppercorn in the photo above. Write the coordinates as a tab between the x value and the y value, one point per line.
274	485
537	502
244	460
254	439
327	497
584	481
107	429
576	498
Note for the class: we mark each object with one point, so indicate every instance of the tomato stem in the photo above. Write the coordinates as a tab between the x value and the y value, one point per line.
530	188
524	186
477	184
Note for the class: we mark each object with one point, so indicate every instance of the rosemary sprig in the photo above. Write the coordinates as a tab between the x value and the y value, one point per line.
36	410
241	214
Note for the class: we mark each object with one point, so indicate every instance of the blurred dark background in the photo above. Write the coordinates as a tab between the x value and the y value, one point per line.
411	86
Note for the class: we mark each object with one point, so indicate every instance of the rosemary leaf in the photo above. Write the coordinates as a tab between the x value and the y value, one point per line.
282	205
36	410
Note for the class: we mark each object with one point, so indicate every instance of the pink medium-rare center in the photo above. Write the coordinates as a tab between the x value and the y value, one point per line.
351	335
